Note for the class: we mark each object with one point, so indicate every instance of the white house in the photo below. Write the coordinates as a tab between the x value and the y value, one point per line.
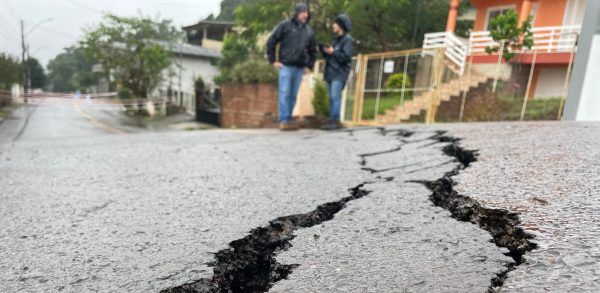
189	63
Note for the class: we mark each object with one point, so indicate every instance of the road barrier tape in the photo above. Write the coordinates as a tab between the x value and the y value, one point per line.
99	103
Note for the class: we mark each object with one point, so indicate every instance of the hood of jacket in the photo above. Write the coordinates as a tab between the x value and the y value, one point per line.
301	7
344	21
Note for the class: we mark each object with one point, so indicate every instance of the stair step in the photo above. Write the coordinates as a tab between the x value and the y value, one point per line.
420	103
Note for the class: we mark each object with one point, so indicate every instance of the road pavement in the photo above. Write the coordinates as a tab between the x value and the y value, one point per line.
90	204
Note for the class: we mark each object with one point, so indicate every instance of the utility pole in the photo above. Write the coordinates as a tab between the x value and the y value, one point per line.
23	60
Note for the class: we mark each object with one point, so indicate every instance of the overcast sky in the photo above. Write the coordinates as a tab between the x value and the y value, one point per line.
71	17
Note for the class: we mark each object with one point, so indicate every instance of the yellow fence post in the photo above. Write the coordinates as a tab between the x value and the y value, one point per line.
438	72
359	89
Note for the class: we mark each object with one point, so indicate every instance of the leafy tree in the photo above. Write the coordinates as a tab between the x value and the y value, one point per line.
382	25
70	71
132	49
505	30
235	51
261	16
37	75
10	71
228	8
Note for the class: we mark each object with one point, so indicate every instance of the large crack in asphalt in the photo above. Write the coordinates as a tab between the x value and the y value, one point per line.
249	264
503	225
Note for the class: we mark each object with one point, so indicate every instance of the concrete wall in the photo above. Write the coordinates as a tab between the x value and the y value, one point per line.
504	71
589	107
583	100
550	82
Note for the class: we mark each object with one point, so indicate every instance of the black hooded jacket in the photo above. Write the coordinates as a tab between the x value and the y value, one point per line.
298	46
339	63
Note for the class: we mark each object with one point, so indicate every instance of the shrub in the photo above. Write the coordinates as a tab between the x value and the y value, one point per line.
124	93
398	81
254	71
321	99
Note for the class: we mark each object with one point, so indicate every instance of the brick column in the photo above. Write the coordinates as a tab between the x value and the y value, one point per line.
452	16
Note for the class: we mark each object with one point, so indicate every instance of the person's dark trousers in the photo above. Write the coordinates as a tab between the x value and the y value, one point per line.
290	79
336	87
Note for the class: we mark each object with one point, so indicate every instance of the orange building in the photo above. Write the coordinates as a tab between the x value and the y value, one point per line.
556	25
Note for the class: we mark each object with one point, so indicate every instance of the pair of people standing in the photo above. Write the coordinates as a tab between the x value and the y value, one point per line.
297	56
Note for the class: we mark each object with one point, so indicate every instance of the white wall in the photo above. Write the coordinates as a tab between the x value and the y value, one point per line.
583	102
550	83
192	68
589	105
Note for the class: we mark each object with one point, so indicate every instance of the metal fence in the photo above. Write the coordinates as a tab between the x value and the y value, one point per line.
430	85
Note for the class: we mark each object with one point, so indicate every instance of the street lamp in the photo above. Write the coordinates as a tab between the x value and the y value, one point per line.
38	24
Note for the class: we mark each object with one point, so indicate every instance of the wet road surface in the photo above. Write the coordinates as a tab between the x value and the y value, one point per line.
89	209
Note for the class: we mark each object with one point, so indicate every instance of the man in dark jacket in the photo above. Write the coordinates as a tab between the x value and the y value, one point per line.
338	66
297	55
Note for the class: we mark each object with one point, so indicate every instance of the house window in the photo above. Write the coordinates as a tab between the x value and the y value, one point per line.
494	12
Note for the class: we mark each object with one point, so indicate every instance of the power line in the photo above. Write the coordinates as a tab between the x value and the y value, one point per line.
178	4
89	8
58	33
8	34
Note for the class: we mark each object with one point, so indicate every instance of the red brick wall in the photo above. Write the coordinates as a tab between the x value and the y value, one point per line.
249	105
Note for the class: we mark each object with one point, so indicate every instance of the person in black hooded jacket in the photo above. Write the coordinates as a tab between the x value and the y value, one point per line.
338	59
297	55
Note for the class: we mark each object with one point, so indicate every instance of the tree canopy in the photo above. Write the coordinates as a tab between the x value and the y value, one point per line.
70	71
505	29
10	71
134	50
382	25
37	74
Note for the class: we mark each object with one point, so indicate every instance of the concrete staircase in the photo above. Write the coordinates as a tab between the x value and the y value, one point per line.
421	102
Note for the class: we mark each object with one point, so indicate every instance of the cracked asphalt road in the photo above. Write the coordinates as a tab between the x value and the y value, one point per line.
85	209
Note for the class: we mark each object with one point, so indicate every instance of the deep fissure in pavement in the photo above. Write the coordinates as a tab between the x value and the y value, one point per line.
249	264
502	224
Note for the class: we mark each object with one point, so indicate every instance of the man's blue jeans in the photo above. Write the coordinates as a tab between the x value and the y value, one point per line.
290	79
335	98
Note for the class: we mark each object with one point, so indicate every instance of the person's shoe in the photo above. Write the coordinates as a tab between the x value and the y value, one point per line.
336	125
331	125
287	127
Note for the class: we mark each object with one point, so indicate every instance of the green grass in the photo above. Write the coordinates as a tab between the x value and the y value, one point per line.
5	111
507	108
537	109
385	103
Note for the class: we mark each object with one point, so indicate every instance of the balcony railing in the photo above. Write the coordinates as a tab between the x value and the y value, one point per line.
556	39
456	48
